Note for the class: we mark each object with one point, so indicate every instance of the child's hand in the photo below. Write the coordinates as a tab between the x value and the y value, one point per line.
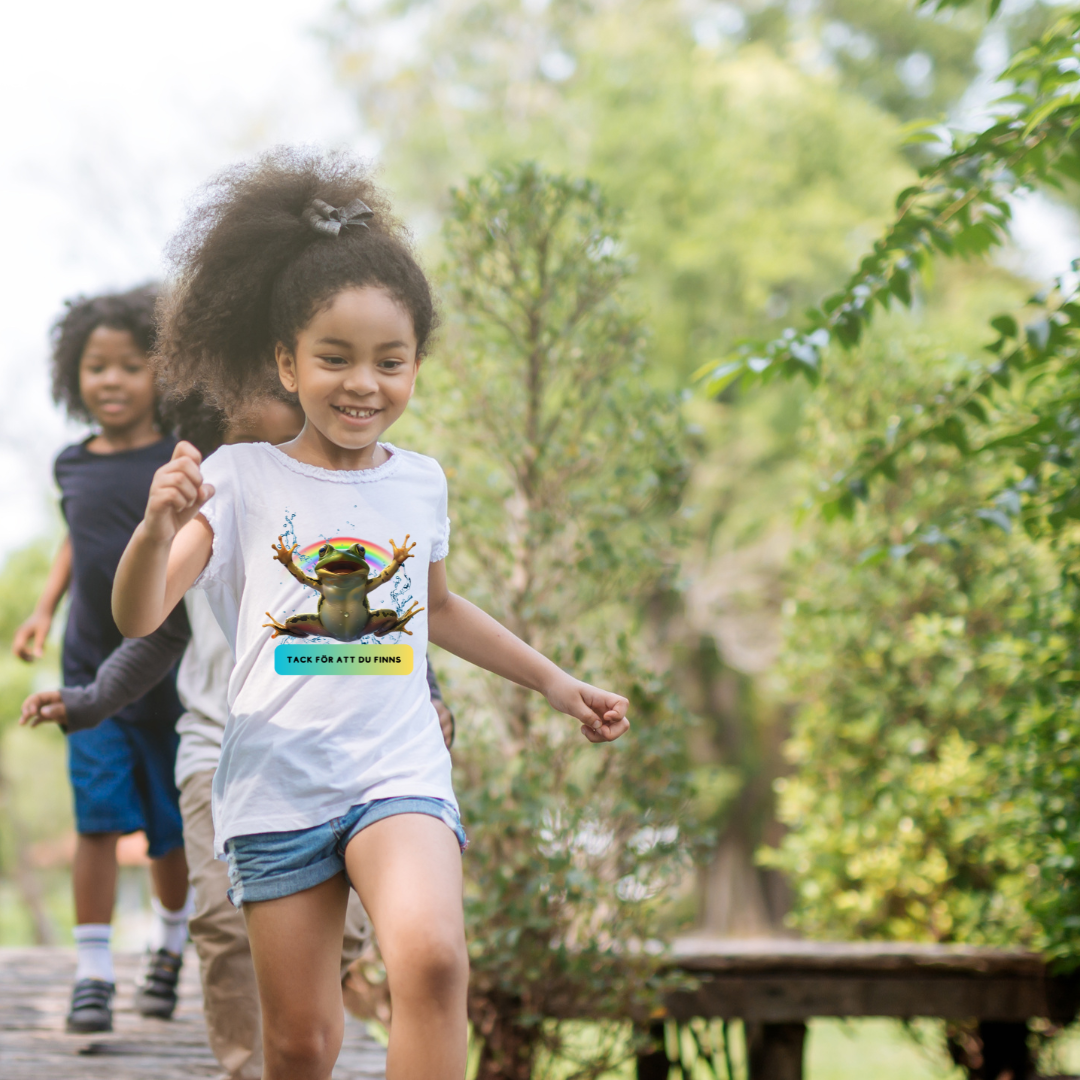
602	713
177	494
29	641
43	707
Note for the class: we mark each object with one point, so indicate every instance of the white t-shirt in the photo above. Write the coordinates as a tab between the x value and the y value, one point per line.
202	684
301	749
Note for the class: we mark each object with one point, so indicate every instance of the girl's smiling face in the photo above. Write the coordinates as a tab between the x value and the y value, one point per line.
354	368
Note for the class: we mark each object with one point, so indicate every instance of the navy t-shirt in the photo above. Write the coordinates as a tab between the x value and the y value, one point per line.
103	497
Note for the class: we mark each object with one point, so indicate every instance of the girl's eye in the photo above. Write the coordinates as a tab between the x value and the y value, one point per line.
335	360
391	365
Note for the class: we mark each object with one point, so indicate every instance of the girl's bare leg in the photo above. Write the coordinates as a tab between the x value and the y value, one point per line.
407	870
296	947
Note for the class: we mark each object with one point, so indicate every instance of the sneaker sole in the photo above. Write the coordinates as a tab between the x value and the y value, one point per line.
159	1010
88	1027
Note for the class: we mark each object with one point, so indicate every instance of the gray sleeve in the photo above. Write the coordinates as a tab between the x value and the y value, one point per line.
131	670
433	683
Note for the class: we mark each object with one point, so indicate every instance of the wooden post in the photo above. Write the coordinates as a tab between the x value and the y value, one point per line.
775	1051
1004	1050
654	1064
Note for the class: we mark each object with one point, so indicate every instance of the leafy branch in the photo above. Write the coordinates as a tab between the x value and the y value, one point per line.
960	207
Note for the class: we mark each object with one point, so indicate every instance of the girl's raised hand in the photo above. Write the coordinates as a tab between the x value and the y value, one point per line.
602	713
176	494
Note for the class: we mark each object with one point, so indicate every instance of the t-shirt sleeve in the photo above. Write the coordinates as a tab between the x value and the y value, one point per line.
221	514
440	545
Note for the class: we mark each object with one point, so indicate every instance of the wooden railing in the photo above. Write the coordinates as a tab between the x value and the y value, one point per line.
775	986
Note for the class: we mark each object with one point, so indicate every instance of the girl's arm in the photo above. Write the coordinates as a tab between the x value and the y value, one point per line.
169	548
463	629
29	641
134	668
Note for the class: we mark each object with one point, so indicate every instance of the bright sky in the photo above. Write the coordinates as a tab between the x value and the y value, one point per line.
112	113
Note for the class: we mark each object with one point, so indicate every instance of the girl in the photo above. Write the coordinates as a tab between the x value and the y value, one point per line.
122	771
230	1000
295	266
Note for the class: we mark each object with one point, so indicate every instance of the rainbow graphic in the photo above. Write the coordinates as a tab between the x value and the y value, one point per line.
376	556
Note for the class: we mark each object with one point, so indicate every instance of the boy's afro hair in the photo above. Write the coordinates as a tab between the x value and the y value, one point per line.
249	270
132	311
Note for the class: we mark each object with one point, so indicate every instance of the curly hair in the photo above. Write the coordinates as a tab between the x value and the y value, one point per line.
132	311
193	418
249	270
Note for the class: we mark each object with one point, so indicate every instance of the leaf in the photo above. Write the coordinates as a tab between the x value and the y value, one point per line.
996	517
900	286
1005	325
719	378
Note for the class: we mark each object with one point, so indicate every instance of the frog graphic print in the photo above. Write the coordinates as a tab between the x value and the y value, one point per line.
343	579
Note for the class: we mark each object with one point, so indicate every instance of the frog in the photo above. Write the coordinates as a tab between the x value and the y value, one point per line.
343	581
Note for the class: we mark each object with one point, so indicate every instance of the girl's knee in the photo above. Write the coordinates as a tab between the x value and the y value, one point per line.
436	964
303	1048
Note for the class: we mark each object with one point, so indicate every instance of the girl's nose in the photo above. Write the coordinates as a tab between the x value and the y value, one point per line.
361	381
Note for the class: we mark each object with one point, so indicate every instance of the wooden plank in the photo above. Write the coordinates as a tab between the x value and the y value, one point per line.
34	988
766	954
776	998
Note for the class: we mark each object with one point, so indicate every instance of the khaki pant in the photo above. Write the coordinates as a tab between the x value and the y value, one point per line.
230	997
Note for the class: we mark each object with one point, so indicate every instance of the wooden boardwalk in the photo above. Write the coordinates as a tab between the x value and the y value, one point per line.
34	988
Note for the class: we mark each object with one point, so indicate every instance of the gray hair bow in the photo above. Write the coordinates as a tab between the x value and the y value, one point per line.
324	218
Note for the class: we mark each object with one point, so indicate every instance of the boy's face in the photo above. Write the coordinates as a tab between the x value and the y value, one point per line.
115	381
354	367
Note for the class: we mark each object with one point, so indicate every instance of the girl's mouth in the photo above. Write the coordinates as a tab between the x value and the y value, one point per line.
355	413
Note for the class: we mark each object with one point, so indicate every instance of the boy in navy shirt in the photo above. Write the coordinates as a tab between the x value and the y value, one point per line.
122	770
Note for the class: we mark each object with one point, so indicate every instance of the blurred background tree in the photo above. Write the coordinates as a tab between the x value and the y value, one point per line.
756	150
566	471
33	802
963	825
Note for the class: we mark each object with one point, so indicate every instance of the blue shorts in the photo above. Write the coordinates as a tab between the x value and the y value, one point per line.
122	778
267	866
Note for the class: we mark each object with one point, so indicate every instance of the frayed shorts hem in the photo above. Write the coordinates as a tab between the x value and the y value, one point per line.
268	866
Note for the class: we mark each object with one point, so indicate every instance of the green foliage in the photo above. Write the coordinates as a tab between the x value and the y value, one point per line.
565	469
912	651
961	208
21	580
743	177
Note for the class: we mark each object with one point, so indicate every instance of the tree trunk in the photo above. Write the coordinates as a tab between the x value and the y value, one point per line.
508	1051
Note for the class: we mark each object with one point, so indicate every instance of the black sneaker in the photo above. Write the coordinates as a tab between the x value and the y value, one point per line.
91	1006
155	994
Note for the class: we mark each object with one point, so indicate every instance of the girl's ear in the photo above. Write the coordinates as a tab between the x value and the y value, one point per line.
416	371
286	367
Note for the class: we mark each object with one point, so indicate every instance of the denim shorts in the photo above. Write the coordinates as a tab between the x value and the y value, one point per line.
267	866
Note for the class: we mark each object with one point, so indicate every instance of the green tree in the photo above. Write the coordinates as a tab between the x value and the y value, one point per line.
23	817
744	177
911	650
565	470
747	182
1006	426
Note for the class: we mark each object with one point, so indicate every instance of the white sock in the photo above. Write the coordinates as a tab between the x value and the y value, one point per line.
168	930
93	960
